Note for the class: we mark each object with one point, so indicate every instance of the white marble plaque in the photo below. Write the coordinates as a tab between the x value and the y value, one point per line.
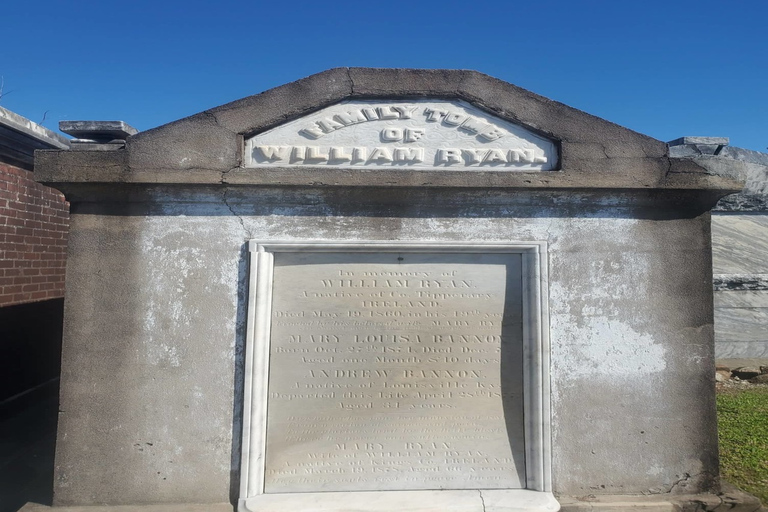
396	368
395	371
415	134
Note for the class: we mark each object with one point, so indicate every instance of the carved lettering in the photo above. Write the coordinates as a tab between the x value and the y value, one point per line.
448	156
444	134
386	373
350	118
273	152
409	154
391	134
380	155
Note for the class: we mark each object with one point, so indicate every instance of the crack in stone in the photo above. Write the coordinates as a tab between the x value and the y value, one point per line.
351	80
685	478
665	178
225	198
482	500
223	178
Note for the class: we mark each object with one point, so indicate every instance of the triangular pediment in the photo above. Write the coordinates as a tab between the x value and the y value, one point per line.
323	128
363	127
413	134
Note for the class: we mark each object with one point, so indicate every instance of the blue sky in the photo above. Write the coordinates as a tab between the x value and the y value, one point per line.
663	68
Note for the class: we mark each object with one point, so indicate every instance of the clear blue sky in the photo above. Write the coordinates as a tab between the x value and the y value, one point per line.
663	68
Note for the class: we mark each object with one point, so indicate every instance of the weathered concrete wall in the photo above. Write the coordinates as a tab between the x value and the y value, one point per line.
155	312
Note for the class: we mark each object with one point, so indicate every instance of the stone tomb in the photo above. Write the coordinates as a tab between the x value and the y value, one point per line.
385	290
384	367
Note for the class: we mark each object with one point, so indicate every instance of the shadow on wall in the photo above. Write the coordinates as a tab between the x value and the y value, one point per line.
30	345
28	442
30	358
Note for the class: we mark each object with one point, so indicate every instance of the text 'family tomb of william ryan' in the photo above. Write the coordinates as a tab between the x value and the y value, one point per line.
419	134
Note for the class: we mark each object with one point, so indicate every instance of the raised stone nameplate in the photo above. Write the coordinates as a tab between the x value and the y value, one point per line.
416	134
394	367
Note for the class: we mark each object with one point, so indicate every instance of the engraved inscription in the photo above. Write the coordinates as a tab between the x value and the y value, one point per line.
420	134
395	371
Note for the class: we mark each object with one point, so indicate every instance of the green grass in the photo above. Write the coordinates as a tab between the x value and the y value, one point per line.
742	418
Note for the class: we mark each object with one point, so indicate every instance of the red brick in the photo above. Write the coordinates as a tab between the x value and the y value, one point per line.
34	221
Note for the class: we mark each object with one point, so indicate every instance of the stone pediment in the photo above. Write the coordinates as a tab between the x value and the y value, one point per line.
345	127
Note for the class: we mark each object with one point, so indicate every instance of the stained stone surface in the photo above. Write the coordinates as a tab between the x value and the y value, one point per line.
395	371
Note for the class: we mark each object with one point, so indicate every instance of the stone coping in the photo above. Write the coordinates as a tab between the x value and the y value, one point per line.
32	130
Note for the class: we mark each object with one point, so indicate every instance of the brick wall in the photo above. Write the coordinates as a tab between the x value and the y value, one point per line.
34	222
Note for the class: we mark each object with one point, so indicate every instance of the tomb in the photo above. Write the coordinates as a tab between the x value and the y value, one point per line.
381	289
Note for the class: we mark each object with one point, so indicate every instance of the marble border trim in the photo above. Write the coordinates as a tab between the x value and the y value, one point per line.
536	361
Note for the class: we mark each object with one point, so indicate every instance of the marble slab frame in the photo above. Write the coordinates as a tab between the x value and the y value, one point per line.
536	377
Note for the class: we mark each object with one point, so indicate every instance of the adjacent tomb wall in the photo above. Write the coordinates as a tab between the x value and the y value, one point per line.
739	234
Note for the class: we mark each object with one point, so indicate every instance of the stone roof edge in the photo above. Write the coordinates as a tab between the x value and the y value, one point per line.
32	130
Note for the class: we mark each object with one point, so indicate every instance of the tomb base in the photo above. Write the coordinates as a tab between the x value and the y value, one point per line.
731	499
493	500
